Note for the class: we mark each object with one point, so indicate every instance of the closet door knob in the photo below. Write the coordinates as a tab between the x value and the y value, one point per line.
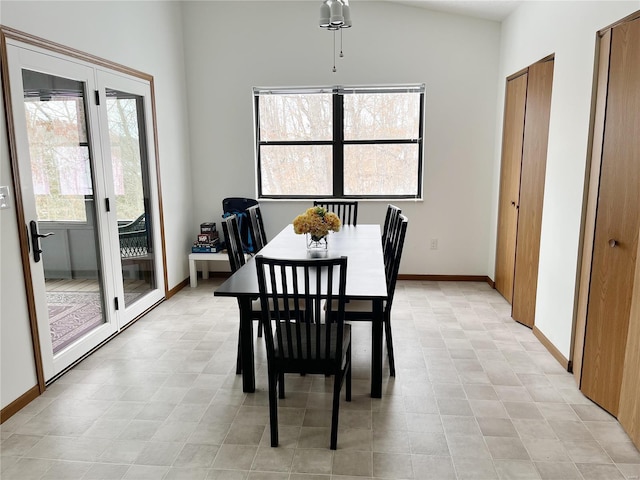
613	243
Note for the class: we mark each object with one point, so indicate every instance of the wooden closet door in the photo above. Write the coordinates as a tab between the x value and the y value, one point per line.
513	130
629	407
534	163
616	231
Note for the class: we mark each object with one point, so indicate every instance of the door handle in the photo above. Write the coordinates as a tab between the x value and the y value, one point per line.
613	243
35	240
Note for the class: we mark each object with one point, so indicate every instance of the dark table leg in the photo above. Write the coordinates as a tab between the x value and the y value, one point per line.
246	345
376	350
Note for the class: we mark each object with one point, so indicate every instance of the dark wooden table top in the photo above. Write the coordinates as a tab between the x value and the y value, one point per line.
360	244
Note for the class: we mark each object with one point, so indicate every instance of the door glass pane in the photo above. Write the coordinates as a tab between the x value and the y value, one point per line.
62	172
129	162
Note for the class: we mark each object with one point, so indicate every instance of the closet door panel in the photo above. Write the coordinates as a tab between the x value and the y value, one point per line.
534	162
513	130
617	225
592	202
629	406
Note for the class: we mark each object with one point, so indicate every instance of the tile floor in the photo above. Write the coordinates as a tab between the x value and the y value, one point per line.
476	397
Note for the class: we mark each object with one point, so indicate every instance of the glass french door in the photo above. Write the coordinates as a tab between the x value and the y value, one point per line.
128	147
64	235
89	197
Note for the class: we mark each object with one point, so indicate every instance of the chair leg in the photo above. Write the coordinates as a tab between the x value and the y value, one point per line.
259	329
337	382
387	333
273	408
281	385
239	358
348	374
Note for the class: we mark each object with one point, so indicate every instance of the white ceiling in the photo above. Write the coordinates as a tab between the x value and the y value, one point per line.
496	10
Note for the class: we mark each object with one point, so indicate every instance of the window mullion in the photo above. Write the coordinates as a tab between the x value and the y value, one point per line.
395	141
338	145
256	127
295	142
420	144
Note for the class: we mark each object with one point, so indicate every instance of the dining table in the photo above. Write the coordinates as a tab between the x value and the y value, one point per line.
366	280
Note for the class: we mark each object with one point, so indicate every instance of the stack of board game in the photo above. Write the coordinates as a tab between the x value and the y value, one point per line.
208	239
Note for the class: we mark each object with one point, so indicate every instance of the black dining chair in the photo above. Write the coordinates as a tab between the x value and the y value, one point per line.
256	227
361	310
390	221
347	211
292	294
237	259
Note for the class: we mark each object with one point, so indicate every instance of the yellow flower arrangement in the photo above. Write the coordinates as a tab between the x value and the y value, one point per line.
317	222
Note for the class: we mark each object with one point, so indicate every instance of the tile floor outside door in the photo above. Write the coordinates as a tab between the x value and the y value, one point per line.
476	397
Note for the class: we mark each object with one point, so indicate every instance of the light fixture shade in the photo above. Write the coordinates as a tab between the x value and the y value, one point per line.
336	13
346	13
325	14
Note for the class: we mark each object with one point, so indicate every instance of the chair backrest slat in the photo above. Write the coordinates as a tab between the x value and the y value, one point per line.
234	244
347	211
392	261
328	300
390	221
293	294
256	227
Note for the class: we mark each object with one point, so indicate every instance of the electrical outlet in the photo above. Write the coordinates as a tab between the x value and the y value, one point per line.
434	244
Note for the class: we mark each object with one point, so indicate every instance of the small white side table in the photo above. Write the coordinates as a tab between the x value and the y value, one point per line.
193	273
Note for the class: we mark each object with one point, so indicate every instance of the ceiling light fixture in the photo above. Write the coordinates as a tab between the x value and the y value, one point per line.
335	15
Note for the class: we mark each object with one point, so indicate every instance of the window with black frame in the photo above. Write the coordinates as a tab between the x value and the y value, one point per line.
342	142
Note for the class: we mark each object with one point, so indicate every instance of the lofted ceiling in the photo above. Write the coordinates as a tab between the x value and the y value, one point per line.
496	10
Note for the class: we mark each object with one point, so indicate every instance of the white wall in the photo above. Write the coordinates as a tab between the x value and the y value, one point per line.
143	35
532	32
232	46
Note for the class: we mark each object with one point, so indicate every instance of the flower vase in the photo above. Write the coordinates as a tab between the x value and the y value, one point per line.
315	243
